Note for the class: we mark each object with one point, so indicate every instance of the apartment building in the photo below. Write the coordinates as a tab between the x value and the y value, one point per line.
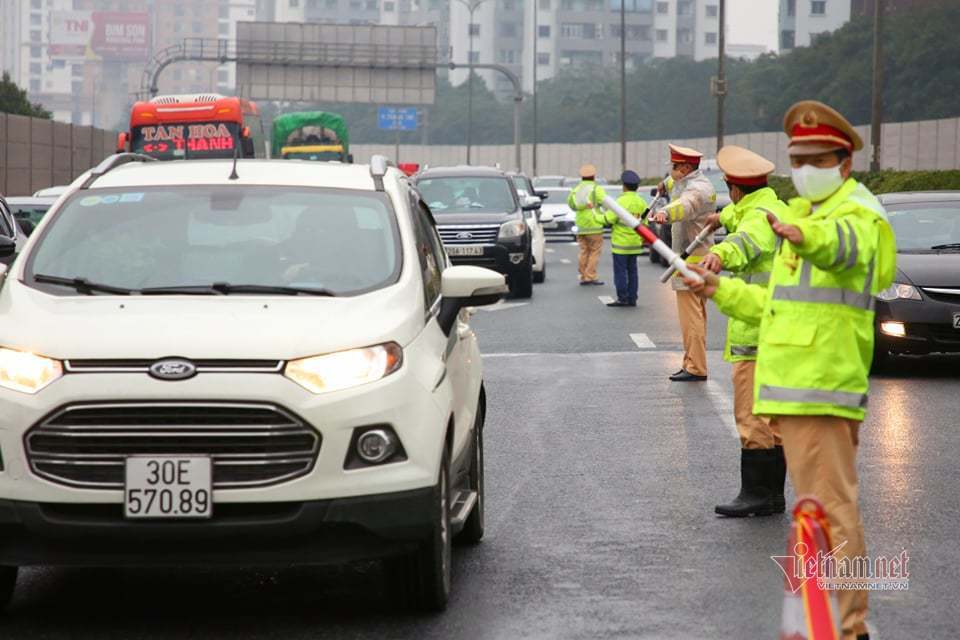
801	21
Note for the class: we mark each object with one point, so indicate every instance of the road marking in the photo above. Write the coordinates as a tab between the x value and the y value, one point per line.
565	261
723	405
502	306
605	299
642	341
549	250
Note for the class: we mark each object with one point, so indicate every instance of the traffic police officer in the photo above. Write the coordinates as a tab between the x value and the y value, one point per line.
625	243
692	200
585	199
747	252
816	324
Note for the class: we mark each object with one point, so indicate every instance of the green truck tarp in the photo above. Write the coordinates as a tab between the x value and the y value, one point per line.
309	128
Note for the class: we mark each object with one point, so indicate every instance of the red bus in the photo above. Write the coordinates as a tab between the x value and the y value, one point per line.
179	127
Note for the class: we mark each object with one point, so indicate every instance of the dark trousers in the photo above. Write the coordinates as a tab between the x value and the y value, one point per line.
625	277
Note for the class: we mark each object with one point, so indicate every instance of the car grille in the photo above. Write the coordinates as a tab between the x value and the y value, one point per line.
469	233
944	334
203	366
950	296
251	445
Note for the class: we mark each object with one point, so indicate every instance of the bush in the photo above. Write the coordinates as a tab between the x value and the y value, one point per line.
885	182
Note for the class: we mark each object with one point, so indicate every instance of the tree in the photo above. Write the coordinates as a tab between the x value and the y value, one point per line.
14	100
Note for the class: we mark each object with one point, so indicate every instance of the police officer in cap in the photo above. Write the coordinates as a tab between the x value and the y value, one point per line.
816	325
625	243
585	199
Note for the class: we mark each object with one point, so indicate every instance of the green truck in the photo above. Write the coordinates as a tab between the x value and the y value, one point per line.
311	135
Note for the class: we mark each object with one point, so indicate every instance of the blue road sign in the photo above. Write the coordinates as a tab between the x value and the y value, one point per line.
397	118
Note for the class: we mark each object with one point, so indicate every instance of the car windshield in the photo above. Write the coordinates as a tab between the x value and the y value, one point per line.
719	184
341	241
922	226
467	195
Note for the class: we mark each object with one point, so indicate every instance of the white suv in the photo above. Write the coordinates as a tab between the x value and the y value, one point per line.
269	366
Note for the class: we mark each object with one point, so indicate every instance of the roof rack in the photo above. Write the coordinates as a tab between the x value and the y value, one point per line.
111	163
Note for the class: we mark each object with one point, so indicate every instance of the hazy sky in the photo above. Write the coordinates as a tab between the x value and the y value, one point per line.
753	22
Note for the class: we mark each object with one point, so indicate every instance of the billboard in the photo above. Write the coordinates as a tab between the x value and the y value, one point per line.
112	35
336	63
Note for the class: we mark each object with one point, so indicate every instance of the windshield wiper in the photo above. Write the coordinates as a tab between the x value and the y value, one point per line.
82	285
951	245
225	288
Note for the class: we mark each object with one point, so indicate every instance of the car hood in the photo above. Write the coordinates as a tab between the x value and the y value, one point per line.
228	327
931	269
474	218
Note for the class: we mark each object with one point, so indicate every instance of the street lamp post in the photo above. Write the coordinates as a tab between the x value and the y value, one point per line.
533	75
623	85
472	6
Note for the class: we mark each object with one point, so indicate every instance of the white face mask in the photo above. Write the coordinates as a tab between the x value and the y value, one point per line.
816	184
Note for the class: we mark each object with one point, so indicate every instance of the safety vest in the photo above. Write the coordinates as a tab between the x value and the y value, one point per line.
816	317
747	252
624	240
589	221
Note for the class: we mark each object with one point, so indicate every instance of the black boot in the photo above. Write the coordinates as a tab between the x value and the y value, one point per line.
778	480
757	467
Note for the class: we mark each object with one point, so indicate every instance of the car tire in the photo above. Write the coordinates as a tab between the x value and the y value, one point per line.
472	531
8	582
539	277
421	580
521	282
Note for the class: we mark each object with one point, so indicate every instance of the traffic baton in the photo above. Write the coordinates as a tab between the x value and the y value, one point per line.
703	235
656	244
810	612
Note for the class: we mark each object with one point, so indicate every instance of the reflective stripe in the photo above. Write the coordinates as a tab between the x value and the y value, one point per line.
842	248
628	247
852	260
743	350
676	211
761	277
818	396
825	295
756	248
737	240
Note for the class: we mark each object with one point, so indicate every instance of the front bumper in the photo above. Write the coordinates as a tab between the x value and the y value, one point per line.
313	532
929	325
502	258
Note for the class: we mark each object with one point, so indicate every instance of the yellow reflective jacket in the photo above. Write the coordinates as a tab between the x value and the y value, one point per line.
747	252
816	317
624	240
589	221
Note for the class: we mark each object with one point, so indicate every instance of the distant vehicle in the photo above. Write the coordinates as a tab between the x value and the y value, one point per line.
920	312
536	219
541	182
28	212
311	135
481	221
193	127
51	192
12	237
563	224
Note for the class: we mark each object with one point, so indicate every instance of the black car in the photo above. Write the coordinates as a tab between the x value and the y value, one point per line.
920	312
481	221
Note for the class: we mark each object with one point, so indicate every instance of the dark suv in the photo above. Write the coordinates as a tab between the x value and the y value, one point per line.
480	220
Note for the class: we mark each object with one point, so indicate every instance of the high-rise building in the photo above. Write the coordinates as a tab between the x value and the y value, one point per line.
801	21
230	12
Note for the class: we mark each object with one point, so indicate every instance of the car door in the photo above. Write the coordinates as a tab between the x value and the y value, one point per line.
461	355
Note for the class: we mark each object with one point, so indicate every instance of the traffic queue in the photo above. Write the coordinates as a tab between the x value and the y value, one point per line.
800	295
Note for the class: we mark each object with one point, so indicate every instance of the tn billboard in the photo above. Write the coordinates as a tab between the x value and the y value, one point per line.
112	35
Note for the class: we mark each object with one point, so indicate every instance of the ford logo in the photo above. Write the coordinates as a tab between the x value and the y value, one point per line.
173	369
464	235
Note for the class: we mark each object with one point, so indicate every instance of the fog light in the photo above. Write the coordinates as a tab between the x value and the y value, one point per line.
376	445
516	258
893	328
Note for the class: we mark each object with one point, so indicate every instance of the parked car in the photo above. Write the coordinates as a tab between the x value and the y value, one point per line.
541	182
29	211
563	223
272	369
51	192
920	312
12	237
482	221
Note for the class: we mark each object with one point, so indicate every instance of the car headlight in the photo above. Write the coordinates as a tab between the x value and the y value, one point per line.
899	291
26	372
345	369
512	230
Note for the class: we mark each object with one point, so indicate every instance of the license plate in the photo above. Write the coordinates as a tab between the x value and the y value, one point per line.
956	321
168	487
464	250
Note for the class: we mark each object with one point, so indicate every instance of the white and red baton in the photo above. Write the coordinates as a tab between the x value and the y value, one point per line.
656	244
703	235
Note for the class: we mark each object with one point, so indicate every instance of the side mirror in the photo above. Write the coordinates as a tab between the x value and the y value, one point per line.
466	286
8	247
531	203
26	226
653	192
543	195
122	139
545	217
